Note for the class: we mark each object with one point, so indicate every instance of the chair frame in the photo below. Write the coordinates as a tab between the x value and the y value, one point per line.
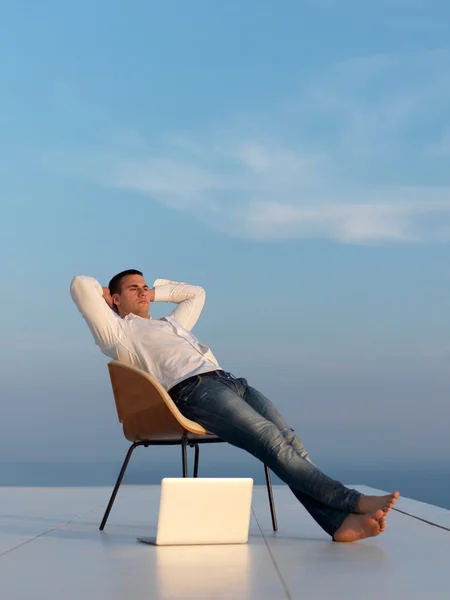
184	444
202	437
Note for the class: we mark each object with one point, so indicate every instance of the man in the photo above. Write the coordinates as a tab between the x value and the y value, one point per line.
118	317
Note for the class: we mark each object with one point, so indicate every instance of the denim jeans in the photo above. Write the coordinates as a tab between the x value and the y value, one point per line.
242	416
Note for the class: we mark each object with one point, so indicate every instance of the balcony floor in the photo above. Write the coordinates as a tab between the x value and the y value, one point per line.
51	548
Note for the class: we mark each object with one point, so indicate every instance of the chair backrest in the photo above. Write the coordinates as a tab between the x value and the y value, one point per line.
145	409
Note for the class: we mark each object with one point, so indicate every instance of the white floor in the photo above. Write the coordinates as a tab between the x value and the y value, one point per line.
51	548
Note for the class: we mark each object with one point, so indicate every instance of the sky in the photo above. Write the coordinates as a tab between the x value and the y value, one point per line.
290	157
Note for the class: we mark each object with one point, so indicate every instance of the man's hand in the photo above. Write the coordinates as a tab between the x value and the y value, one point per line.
107	298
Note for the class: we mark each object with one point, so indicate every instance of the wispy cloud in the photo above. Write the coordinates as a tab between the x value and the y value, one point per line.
359	156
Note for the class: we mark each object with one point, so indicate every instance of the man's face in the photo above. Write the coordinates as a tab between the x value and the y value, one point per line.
133	297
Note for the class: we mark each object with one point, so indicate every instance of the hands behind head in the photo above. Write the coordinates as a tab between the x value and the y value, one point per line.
107	297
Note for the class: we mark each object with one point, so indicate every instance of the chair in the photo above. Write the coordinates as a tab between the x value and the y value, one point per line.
151	418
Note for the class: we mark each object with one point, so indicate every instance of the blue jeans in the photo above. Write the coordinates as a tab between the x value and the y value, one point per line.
242	416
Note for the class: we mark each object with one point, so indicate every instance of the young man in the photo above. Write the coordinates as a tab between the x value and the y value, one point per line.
118	317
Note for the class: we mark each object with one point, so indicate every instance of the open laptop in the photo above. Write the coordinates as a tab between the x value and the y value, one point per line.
203	511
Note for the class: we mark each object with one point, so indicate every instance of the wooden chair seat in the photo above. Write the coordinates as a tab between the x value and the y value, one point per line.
149	417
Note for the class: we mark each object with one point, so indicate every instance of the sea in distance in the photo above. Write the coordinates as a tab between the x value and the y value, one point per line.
426	482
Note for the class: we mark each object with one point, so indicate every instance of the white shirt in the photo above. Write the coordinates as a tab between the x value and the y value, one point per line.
164	347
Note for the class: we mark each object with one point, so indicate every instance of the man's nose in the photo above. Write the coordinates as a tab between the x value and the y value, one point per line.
141	291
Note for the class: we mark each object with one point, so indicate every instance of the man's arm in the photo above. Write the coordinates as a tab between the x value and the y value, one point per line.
92	302
190	300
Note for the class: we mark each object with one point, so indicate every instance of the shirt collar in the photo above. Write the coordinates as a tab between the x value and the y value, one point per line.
131	316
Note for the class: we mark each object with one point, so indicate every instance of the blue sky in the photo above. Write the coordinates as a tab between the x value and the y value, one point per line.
292	158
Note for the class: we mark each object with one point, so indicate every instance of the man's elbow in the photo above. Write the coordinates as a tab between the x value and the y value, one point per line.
200	298
77	285
194	291
200	294
76	281
82	285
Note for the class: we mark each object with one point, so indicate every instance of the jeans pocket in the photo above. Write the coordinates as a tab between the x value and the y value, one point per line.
186	391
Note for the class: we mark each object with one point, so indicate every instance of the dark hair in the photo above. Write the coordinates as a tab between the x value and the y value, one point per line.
115	285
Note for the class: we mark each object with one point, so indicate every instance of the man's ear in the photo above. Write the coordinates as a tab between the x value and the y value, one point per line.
115	302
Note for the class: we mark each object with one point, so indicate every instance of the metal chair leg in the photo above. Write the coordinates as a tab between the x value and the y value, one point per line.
184	456
196	457
118	482
271	502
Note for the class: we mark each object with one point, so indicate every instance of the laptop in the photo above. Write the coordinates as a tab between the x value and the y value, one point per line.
203	511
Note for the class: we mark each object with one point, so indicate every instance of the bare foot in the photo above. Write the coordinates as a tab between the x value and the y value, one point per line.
369	504
358	527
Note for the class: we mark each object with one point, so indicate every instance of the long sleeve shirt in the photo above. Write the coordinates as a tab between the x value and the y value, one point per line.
163	347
